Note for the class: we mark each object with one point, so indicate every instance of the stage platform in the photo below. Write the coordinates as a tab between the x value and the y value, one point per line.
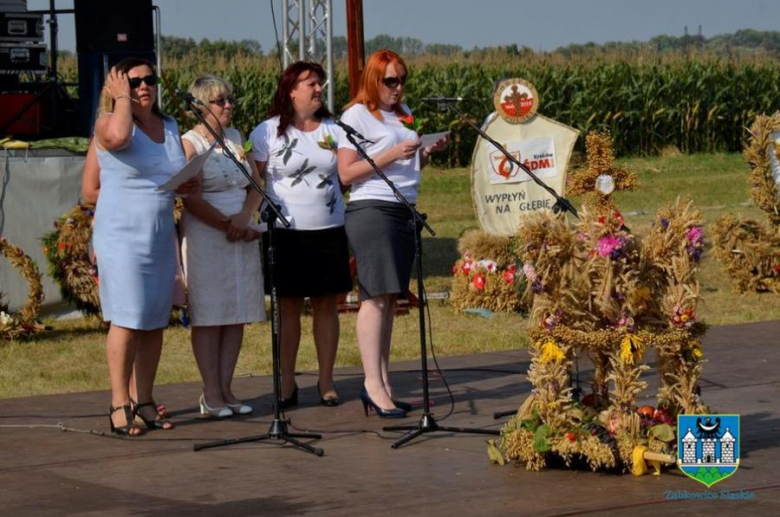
47	471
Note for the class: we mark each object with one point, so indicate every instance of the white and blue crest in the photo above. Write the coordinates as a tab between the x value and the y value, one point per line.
708	446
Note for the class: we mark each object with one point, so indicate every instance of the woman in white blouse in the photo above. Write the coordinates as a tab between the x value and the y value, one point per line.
380	229
296	150
221	255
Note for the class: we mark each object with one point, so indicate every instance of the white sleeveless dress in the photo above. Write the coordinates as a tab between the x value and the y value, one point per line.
224	279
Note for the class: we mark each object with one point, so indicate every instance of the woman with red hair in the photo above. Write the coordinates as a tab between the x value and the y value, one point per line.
295	149
379	228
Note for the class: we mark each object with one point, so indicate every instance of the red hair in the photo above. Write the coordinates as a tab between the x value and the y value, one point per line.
373	73
282	104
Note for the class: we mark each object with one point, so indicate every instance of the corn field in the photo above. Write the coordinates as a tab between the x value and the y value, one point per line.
693	104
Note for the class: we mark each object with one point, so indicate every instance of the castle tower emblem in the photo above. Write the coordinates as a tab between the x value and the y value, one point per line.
708	448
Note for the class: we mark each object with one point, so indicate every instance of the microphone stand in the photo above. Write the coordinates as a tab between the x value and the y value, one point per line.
427	423
278	429
561	204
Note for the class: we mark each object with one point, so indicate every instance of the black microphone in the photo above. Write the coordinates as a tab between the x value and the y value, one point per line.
351	131
443	99
189	98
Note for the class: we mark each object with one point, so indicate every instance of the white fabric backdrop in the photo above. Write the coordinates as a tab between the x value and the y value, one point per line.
36	189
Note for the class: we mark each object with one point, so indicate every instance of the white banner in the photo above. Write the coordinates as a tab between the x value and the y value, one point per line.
504	195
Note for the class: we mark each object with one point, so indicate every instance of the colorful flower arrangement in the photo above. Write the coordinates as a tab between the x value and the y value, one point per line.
328	143
22	324
610	296
71	265
747	250
486	276
412	123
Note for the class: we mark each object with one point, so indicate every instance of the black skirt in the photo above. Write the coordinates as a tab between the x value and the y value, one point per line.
381	235
310	263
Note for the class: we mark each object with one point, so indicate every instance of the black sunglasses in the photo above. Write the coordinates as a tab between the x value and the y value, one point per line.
392	82
221	101
135	82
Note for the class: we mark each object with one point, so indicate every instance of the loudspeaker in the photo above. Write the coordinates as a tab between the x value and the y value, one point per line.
106	26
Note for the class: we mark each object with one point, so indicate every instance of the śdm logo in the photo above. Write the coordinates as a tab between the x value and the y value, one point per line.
708	446
502	166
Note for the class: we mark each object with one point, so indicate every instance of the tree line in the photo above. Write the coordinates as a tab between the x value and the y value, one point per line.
745	41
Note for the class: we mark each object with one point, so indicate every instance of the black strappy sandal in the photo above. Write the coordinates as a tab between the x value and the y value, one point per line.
126	429
154	423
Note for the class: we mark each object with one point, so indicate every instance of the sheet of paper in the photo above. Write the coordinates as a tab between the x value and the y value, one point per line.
188	171
430	139
259	227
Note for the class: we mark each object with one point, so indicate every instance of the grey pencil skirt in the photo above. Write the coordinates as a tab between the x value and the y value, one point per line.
381	235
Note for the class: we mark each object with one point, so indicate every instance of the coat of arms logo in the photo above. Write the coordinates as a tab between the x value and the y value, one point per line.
708	446
516	100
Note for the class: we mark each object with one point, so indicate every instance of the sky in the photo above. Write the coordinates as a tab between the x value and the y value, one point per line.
538	24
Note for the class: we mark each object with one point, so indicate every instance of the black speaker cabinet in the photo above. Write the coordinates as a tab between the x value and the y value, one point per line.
114	26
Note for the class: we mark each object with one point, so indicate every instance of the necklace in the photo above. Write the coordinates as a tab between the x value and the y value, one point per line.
220	159
202	131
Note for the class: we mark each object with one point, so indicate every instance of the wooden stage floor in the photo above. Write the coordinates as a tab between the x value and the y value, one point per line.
47	471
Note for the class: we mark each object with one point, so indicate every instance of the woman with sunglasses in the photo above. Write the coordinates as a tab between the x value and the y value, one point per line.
221	261
380	229
138	149
90	190
296	150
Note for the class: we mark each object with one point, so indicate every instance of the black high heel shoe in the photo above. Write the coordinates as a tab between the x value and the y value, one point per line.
125	430
400	404
328	401
383	413
151	423
290	402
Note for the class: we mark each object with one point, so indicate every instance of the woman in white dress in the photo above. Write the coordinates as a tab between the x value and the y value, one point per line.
221	253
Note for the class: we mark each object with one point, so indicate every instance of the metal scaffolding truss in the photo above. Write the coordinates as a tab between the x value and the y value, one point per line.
308	35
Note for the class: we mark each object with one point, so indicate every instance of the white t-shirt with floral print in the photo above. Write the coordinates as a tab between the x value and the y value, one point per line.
301	172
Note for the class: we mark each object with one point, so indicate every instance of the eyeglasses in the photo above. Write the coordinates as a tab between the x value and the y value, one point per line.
393	82
221	101
135	82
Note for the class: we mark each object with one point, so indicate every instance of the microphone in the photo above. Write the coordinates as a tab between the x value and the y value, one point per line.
189	98
351	131
443	99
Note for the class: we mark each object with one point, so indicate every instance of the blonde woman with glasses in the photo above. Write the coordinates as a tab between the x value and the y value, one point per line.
220	250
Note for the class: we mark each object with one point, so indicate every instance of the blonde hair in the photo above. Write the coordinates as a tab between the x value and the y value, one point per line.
208	86
105	104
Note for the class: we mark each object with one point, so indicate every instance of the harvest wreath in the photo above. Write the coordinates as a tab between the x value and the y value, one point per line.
22	324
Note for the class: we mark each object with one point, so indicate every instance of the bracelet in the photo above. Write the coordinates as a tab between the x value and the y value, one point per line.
123	96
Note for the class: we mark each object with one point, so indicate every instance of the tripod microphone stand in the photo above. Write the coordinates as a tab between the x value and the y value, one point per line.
561	203
278	429
427	423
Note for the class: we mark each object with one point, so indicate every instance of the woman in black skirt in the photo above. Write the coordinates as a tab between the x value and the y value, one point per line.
295	150
379	228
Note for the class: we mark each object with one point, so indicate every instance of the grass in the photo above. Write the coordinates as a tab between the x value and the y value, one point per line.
71	357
